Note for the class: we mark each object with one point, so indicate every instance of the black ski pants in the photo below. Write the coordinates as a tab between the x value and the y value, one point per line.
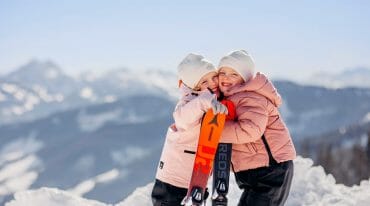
164	194
265	186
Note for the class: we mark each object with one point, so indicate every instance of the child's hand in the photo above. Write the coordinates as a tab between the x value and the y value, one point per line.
217	107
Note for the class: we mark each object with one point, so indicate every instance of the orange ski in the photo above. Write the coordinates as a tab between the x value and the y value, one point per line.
210	134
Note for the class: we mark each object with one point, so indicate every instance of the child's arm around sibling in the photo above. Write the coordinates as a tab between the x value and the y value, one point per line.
262	147
191	107
199	90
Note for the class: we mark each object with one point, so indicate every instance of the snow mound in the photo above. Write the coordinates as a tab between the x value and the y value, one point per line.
310	187
50	197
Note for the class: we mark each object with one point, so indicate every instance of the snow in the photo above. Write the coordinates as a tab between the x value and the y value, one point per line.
31	101
18	110
310	187
88	185
45	96
20	148
165	81
51	74
366	118
110	98
17	168
19	183
9	88
107	176
18	176
129	154
18	165
19	95
87	93
26	98
364	140
142	194
59	97
342	130
92	122
50	197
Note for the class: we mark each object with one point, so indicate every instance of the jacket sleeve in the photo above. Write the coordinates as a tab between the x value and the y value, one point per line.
189	113
251	124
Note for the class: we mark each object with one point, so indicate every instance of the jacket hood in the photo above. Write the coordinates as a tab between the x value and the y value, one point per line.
261	85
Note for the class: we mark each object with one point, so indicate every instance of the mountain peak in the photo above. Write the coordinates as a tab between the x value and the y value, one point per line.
36	71
46	74
47	69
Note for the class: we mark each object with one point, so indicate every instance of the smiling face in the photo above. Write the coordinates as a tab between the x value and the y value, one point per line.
228	78
210	81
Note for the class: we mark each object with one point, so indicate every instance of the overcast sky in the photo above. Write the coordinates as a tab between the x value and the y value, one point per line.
289	39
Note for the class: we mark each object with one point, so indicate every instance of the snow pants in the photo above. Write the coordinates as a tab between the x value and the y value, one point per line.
164	194
265	186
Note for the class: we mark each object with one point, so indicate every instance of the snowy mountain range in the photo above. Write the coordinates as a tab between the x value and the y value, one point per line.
100	137
73	149
355	77
38	89
312	110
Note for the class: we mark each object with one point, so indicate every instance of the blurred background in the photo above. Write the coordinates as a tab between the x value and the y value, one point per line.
87	88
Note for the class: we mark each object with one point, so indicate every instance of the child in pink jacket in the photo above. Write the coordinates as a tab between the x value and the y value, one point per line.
262	147
198	77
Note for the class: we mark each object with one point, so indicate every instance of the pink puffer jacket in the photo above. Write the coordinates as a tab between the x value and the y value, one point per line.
256	105
178	154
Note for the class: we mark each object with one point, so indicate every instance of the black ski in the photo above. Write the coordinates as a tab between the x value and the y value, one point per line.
221	174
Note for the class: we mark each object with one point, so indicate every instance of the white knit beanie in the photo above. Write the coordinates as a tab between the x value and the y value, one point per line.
193	68
241	62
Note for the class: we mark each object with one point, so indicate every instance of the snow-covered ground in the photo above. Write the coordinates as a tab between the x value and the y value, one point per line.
311	186
19	165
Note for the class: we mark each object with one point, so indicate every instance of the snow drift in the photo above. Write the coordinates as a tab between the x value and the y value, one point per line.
311	186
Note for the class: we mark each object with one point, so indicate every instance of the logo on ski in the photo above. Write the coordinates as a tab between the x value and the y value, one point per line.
214	121
205	159
197	195
221	173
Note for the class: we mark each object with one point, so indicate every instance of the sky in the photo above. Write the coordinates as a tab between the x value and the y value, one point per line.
288	39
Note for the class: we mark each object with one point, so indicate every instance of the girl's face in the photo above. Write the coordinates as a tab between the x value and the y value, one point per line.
227	78
210	81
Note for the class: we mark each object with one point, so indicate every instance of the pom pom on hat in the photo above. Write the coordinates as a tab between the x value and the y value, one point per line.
241	61
193	68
